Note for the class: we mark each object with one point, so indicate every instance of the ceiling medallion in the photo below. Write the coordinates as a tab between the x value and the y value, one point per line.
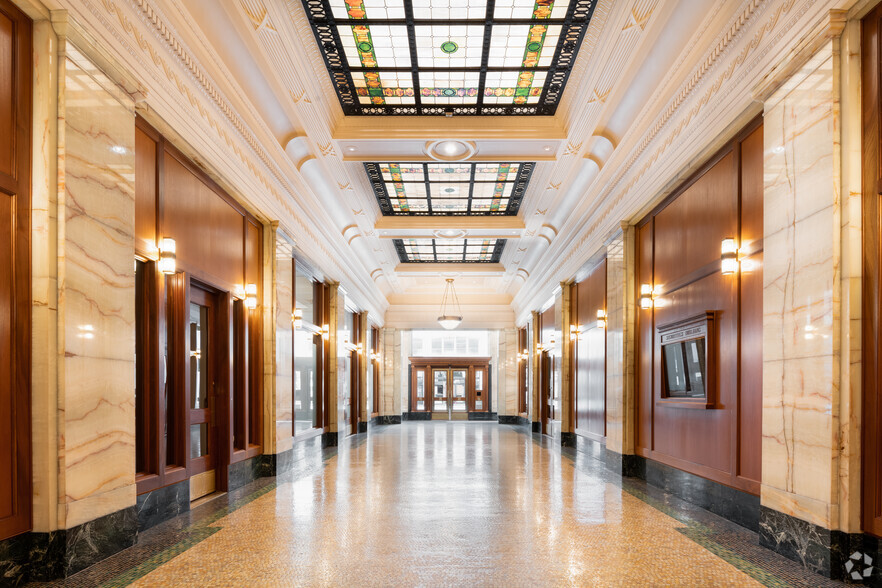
451	150
450	233
449	47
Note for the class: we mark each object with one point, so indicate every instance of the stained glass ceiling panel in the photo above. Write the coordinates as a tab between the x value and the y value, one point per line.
449	250
449	189
441	56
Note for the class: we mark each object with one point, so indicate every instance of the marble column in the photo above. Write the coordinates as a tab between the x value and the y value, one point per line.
335	305
810	283
563	373
364	371
44	279
95	312
620	342
282	420
391	338
507	387
535	338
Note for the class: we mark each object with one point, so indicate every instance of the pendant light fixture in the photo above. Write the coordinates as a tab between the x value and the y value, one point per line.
450	304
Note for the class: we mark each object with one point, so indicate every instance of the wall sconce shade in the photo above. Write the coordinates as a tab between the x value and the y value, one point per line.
728	256
575	331
167	256
601	318
250	296
645	296
326	332
297	318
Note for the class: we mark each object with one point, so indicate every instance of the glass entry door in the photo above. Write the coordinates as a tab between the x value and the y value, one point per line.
200	393
449	392
439	392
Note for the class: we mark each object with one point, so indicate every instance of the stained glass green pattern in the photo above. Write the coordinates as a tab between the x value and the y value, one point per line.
434	56
449	189
449	250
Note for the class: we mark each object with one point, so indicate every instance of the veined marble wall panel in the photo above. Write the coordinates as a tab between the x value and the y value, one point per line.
620	343
850	280
343	371
402	383
44	268
801	296
387	401
508	359
284	351
496	347
96	295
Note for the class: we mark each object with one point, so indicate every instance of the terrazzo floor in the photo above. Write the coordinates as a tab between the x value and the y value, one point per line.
447	504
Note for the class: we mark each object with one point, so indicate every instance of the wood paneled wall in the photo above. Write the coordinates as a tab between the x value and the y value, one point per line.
219	246
678	252
15	271
589	365
871	89
217	241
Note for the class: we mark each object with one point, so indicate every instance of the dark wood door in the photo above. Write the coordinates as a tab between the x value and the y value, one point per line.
202	390
871	50
15	318
546	384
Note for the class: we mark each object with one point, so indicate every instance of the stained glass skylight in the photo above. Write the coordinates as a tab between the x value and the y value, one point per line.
449	250
449	189
441	56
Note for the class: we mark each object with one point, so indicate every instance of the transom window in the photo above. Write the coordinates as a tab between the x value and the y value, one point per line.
440	56
449	189
449	250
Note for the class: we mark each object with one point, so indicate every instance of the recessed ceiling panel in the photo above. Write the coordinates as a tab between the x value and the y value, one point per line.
449	250
441	56
449	189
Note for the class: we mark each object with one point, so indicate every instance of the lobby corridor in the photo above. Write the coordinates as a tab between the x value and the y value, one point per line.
446	504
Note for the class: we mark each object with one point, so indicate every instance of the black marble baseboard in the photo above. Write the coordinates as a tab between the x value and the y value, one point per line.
389	419
737	506
91	542
246	471
43	557
537	427
630	466
832	554
417	416
507	419
362	427
483	416
567	439
330	439
162	504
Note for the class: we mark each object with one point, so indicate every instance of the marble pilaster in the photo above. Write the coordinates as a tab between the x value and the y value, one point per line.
96	293
44	282
283	344
508	370
563	351
620	342
802	295
387	400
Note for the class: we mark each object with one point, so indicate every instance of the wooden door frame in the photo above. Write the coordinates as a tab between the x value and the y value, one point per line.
19	189
431	363
871	312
